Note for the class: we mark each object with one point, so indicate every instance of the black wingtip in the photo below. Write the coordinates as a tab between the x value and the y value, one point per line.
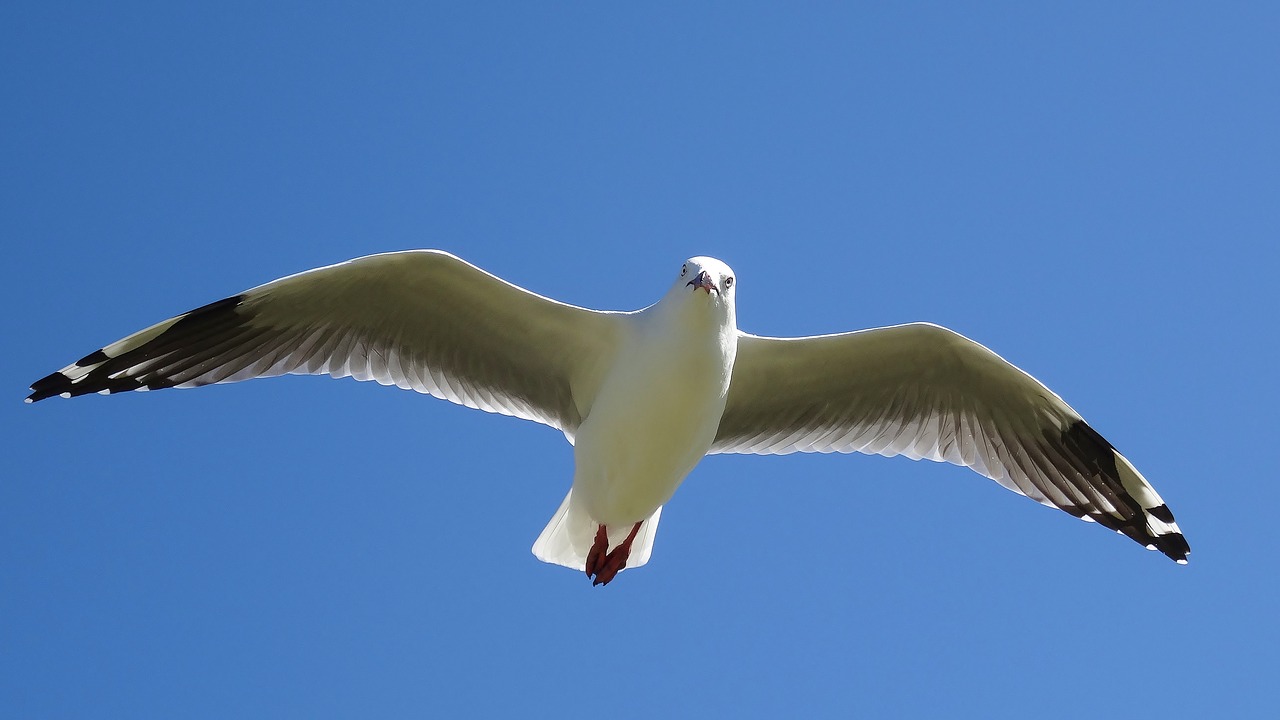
1175	546
96	357
1100	461
1161	513
57	383
48	386
105	375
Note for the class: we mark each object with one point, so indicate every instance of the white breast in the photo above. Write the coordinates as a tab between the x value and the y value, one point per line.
655	416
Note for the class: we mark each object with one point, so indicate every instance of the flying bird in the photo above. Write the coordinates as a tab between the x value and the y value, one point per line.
643	396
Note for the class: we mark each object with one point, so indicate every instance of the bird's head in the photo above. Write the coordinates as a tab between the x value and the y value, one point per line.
705	287
707	276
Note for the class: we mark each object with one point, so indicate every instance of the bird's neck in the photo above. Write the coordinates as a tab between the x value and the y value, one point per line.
685	326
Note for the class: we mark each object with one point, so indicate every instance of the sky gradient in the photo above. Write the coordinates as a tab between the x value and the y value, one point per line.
1089	191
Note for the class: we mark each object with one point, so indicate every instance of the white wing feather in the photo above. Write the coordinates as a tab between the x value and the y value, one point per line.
422	320
926	392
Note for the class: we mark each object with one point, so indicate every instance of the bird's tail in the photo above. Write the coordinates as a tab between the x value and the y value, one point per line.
567	539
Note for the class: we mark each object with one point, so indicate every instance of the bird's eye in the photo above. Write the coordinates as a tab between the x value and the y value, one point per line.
683	270
728	282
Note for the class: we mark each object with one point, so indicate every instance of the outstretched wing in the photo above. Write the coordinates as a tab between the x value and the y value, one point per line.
421	320
924	391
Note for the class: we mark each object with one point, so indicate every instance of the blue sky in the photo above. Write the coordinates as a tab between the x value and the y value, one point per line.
1089	190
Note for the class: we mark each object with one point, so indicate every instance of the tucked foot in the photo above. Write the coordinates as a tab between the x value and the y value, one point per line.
599	550
602	565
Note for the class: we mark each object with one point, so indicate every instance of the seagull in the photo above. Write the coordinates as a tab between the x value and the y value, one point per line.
642	396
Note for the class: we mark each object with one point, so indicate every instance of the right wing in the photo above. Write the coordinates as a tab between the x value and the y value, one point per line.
420	319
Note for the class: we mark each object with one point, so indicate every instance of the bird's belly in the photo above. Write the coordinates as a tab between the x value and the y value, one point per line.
646	431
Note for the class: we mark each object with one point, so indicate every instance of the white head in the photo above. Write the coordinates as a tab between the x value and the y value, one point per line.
705	282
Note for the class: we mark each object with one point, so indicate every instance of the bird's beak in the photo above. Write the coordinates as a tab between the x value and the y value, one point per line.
703	280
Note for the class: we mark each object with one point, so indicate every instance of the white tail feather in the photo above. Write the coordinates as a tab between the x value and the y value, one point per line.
567	539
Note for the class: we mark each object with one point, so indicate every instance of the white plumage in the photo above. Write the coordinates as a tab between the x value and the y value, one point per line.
643	395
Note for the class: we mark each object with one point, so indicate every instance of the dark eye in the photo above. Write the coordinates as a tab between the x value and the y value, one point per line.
728	282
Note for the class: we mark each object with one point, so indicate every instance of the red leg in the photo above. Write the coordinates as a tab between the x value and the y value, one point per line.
606	568
599	550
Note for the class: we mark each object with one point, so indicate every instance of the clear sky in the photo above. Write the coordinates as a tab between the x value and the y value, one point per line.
1090	190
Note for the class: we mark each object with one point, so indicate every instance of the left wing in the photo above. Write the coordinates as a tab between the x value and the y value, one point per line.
923	391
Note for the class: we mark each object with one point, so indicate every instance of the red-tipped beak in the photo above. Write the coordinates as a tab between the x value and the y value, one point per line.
703	280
